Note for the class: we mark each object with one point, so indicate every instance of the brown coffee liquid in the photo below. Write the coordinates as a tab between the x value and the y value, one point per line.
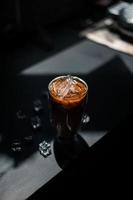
68	97
68	91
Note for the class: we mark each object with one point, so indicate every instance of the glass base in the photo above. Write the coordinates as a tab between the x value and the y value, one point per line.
67	150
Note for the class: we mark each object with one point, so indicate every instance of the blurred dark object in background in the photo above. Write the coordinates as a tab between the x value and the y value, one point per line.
102	2
122	15
32	13
20	17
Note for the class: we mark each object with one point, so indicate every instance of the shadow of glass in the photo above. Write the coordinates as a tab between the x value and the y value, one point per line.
69	150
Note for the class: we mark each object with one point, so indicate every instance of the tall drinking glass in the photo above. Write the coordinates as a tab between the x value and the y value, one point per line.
68	97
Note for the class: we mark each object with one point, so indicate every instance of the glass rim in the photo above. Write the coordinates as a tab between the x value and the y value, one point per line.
64	76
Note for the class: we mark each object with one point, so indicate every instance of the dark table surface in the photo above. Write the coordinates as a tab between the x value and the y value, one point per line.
109	77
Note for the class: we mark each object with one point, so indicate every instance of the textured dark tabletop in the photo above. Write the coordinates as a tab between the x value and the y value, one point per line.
109	76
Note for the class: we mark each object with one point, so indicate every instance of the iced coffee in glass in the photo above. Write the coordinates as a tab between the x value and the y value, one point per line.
68	97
